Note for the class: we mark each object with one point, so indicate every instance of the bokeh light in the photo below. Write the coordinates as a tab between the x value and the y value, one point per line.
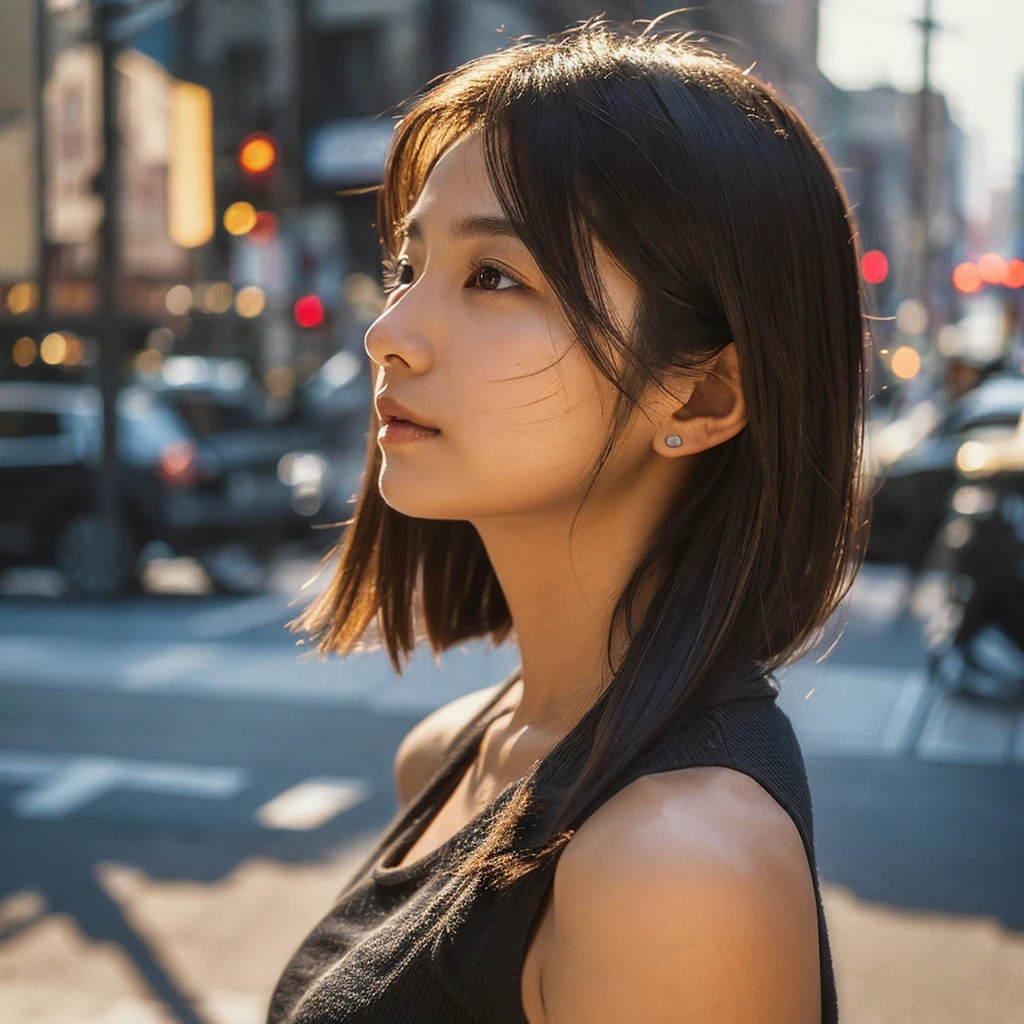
1014	273
265	228
179	300
912	316
24	352
250	301
874	266
53	348
309	311
22	298
992	268
257	154
239	218
906	362
217	297
74	350
966	278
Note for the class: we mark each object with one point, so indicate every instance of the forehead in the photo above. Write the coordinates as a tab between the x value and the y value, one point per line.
458	182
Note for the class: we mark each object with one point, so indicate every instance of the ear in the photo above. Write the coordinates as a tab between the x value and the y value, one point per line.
714	411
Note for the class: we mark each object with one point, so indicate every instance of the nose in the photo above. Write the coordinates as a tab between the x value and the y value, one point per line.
396	337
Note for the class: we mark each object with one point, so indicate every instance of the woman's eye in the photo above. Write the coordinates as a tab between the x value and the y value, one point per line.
488	278
397	272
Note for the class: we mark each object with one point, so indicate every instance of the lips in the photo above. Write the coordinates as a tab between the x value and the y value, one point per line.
388	409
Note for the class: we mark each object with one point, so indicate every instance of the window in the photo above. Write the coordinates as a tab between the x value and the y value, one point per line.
28	423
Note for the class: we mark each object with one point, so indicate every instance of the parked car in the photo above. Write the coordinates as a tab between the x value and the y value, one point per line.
912	490
214	492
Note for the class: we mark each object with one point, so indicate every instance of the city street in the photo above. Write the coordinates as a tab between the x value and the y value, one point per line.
182	795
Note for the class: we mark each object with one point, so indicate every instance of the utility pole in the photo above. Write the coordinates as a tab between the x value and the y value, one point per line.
922	177
42	68
108	497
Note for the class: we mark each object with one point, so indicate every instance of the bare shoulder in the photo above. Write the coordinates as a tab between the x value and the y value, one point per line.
688	896
425	747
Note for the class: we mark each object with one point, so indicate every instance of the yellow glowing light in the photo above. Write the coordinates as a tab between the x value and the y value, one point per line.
179	300
971	456
250	301
22	298
217	297
24	352
74	350
279	382
190	204
149	361
53	348
239	218
906	363
257	154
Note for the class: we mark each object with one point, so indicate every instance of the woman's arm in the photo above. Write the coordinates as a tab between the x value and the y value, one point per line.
685	898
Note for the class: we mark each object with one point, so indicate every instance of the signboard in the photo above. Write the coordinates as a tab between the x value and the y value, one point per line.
349	152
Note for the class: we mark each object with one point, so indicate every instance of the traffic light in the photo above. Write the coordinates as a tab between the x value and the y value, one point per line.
257	158
309	311
874	266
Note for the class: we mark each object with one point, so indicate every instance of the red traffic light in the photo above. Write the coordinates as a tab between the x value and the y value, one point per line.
309	311
874	266
258	154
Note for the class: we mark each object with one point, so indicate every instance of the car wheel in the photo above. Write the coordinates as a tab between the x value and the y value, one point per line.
94	560
237	568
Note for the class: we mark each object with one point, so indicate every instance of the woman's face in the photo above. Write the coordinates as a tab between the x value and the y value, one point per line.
473	343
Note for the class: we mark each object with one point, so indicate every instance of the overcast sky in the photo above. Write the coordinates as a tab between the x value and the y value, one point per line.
977	61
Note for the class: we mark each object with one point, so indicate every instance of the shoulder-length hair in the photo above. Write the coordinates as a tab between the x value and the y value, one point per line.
718	200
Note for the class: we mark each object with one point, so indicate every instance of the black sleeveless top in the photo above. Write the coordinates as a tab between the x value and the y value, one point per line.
417	945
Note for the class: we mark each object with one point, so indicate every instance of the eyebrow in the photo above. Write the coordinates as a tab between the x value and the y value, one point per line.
462	230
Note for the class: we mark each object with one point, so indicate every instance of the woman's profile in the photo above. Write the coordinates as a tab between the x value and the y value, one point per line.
619	402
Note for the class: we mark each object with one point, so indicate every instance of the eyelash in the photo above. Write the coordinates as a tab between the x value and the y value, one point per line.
393	268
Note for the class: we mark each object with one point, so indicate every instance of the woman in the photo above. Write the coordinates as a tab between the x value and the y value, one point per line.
618	410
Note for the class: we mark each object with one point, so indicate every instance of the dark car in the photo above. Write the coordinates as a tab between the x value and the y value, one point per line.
208	487
911	492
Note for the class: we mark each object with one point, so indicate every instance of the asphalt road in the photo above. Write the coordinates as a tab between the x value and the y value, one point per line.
175	781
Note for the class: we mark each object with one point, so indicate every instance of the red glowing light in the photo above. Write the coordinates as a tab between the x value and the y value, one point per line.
309	311
1014	277
874	266
264	229
966	278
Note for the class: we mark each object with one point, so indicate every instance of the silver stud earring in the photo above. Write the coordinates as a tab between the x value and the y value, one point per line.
673	440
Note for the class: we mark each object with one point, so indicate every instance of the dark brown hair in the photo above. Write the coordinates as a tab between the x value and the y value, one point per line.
718	200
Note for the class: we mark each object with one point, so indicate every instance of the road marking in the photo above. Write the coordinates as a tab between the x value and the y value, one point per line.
62	783
310	804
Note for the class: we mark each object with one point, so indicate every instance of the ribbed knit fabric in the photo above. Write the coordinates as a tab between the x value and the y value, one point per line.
416	945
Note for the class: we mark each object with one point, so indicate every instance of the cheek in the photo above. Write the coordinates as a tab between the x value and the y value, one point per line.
523	430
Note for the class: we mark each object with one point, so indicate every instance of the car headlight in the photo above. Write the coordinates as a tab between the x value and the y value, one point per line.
972	500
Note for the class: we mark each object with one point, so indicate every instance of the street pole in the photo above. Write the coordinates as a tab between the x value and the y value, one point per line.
108	498
43	254
922	165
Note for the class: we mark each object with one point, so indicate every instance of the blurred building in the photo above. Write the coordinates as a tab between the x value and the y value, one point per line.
872	136
320	79
19	238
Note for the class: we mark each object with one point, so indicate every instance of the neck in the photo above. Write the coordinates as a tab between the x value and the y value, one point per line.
561	598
